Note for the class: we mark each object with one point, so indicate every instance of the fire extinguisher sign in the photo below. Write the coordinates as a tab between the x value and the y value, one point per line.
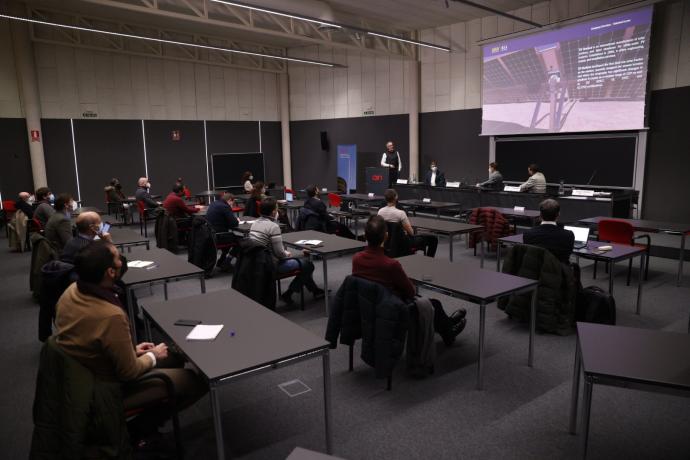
35	135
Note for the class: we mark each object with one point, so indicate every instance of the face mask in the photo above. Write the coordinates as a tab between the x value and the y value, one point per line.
51	198
251	177
148	185
434	168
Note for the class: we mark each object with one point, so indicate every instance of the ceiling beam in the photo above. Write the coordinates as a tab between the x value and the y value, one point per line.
498	12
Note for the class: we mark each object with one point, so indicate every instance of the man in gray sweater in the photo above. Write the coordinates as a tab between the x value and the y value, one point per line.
536	183
266	232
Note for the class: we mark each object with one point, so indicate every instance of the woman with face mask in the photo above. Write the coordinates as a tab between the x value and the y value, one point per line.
247	179
434	177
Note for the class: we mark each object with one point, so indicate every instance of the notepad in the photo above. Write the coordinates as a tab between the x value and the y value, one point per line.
309	242
247	221
139	263
205	332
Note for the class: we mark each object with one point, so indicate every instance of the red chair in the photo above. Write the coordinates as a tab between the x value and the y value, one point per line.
622	232
8	209
144	218
282	276
334	200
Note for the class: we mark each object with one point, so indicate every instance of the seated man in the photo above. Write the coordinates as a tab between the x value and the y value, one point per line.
267	233
92	327
219	214
536	183
89	226
142	193
24	206
58	229
44	205
391	213
372	264
549	235
435	177
317	206
176	206
495	180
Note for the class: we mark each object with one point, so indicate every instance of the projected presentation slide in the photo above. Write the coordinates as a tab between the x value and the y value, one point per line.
590	76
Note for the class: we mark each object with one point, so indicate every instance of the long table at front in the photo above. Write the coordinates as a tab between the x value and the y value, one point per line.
573	208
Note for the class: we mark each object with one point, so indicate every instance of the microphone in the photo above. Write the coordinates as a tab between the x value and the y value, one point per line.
594	173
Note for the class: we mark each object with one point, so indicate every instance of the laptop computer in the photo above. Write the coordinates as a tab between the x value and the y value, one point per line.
289	197
581	235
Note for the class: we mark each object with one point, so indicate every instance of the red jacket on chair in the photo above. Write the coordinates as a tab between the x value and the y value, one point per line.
495	226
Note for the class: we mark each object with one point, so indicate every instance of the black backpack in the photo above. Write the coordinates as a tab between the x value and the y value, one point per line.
594	305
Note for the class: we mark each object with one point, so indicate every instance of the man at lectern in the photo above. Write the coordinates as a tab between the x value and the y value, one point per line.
391	160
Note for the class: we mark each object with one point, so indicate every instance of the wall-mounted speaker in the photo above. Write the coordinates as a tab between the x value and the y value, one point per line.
324	141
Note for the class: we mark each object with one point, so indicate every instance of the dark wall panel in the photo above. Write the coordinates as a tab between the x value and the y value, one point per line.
59	156
169	159
452	139
107	149
272	147
15	162
311	165
232	137
668	157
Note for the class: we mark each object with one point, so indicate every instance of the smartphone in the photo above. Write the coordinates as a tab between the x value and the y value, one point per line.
187	322
106	227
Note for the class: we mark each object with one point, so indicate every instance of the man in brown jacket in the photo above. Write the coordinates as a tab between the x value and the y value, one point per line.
93	328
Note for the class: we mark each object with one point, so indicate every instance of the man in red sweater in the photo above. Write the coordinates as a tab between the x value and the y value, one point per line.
373	265
176	206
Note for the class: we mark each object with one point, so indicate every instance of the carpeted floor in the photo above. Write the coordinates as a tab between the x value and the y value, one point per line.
521	414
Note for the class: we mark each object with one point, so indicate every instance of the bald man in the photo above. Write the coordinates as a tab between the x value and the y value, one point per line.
142	193
23	204
88	228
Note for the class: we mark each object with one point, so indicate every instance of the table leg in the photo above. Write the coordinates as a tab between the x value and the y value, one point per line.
129	295
165	289
147	245
438	213
586	407
576	388
327	401
532	327
481	256
480	361
202	282
217	424
450	244
611	265
640	278
147	328
681	258
324	262
498	256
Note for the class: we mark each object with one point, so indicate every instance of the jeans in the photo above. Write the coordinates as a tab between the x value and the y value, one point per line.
305	278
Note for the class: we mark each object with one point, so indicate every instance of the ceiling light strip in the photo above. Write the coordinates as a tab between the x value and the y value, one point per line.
414	42
330	24
170	42
278	13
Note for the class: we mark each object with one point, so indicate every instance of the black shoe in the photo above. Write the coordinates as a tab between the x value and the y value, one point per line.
458	315
318	293
449	338
286	297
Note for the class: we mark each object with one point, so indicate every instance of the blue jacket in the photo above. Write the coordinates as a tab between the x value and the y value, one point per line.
219	214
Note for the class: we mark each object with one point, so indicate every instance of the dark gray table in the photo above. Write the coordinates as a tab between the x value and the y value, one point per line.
293	208
653	226
449	228
299	453
253	340
474	285
619	253
333	246
167	267
362	197
641	359
123	237
437	205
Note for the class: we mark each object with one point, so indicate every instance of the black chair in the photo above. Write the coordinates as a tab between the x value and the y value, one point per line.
398	244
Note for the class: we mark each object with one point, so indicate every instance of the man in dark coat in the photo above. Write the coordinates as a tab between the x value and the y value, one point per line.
550	235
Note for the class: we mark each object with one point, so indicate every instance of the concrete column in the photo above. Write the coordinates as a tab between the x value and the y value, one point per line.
414	118
28	92
284	91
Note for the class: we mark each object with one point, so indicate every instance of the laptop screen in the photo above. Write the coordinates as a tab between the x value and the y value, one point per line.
581	233
288	196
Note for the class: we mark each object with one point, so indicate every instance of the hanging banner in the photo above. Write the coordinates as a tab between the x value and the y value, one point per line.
347	166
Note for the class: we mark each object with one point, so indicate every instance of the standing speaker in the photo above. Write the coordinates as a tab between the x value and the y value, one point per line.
324	141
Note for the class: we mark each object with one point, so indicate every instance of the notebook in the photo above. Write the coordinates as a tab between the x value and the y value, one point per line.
581	235
205	332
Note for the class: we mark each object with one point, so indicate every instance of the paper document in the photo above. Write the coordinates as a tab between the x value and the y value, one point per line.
309	242
139	263
247	221
205	332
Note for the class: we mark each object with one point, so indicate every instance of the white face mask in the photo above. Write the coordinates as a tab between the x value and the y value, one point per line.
148	185
51	198
434	168
251	177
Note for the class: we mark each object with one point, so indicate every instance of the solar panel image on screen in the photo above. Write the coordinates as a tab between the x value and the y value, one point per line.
590	76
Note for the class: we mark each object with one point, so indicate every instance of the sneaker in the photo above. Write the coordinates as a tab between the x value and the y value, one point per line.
318	293
286	297
458	315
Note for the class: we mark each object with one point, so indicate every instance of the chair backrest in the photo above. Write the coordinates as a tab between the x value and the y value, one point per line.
107	198
36	225
141	207
616	231
334	200
8	206
397	245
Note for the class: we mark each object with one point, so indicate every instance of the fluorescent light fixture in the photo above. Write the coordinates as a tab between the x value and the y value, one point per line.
170	42
279	13
414	42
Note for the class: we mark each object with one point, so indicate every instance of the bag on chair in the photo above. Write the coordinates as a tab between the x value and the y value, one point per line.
594	305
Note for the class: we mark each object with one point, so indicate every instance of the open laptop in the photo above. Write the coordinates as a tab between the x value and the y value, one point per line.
581	235
288	197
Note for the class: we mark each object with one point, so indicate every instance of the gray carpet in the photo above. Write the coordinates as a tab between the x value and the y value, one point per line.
522	413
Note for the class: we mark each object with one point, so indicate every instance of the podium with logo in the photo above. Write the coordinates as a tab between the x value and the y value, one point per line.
377	180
